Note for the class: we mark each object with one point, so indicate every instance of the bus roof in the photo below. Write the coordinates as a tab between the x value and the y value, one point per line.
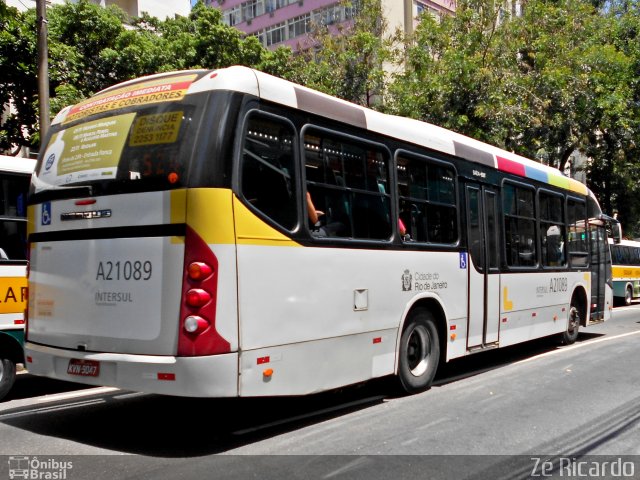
625	243
17	164
175	85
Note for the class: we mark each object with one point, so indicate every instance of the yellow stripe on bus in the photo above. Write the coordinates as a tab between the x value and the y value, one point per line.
251	230
13	294
627	273
209	213
31	219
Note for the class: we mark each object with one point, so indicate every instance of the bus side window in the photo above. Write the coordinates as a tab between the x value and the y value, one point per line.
519	226
576	224
552	230
348	181
427	195
268	169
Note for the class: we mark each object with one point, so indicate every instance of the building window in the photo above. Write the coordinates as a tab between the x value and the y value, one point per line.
299	25
275	34
252	9
232	16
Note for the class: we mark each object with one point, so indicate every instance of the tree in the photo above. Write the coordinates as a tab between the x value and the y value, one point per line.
348	60
18	87
453	67
615	168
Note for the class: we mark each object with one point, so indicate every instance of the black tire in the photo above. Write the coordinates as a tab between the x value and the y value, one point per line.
573	325
7	376
628	296
419	352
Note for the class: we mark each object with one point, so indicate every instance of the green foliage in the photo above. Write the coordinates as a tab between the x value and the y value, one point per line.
18	85
348	60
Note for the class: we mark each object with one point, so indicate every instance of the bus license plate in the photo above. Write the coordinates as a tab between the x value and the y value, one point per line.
83	368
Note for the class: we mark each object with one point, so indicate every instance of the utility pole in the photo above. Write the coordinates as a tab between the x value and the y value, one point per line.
43	67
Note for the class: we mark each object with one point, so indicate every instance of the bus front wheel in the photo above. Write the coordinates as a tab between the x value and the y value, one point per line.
628	296
419	352
7	376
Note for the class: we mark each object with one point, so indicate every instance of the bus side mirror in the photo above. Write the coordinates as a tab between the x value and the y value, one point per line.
616	232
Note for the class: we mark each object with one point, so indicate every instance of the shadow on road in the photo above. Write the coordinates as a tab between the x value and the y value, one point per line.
161	426
30	386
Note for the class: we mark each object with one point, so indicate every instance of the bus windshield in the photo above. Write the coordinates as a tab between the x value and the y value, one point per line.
123	141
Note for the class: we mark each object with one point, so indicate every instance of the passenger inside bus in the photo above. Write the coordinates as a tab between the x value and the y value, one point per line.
314	215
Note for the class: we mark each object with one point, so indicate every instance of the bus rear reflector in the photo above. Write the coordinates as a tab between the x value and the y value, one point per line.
197	335
195	324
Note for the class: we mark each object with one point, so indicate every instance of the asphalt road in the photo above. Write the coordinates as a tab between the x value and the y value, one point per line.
500	414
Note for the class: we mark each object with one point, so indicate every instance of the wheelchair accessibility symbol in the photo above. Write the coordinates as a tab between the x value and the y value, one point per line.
463	260
46	213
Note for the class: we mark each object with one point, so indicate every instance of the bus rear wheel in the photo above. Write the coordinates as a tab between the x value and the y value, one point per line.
573	326
419	352
7	376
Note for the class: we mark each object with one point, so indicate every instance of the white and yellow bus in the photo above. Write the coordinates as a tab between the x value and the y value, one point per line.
15	178
227	233
625	256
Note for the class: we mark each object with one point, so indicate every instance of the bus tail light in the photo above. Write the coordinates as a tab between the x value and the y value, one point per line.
199	271
197	332
197	297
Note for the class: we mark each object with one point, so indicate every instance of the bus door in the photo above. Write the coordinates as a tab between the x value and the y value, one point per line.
600	267
484	266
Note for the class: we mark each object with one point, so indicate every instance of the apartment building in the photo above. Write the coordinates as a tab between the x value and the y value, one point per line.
289	22
156	8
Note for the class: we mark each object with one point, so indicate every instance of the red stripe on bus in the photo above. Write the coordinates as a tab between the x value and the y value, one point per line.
510	166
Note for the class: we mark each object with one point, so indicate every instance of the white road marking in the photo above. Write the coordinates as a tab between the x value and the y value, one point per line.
576	345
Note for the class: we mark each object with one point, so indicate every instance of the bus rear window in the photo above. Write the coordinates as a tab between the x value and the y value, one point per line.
140	148
124	135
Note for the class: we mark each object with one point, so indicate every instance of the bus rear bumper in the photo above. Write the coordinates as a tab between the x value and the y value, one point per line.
210	376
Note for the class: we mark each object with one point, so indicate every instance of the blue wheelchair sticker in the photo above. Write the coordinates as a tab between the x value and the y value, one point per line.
46	213
463	260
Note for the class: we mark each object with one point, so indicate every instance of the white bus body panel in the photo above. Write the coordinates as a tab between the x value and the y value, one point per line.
336	320
537	304
96	294
210	376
